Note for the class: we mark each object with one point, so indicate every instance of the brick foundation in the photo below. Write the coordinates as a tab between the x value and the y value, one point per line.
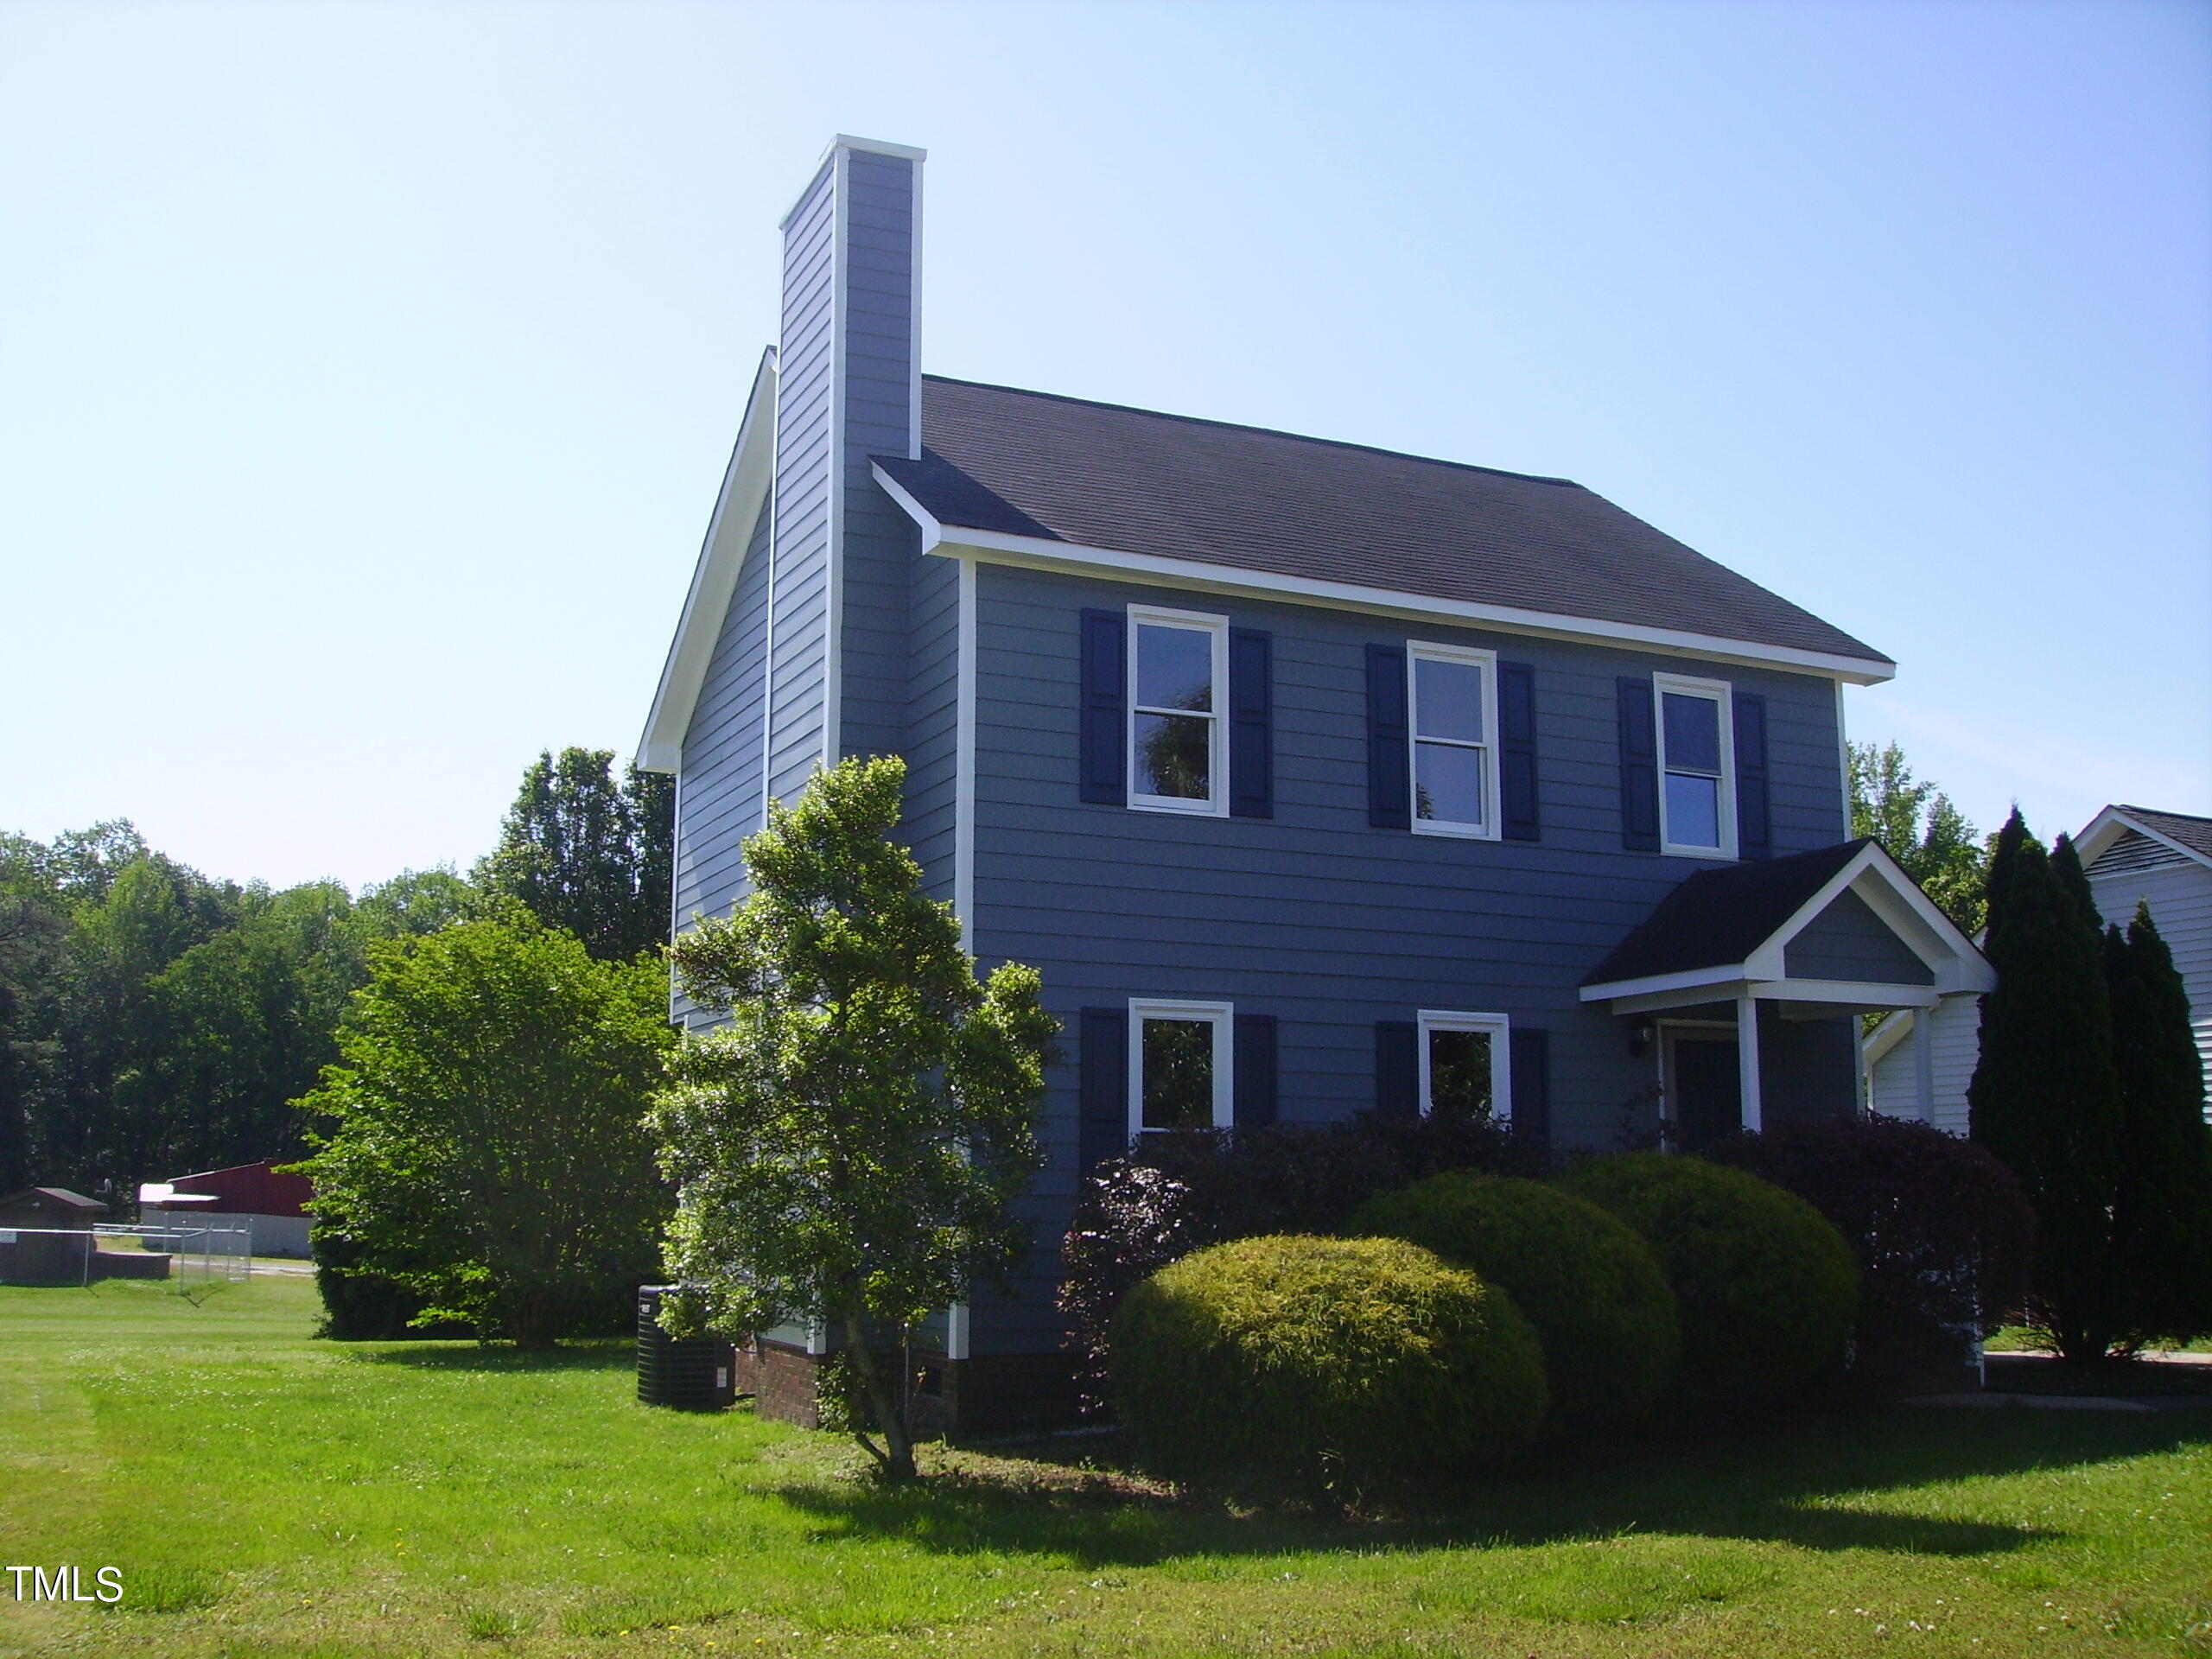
988	1394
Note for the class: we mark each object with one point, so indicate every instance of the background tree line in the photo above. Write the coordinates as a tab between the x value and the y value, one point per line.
154	1020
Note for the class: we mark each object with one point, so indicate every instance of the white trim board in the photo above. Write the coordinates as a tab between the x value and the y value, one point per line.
1039	553
963	761
744	488
833	608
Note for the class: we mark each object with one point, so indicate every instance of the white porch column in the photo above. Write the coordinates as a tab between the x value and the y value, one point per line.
1747	1058
1924	1060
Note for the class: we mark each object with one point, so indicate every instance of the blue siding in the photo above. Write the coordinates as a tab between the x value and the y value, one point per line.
1848	941
879	541
806	362
718	789
1314	916
933	720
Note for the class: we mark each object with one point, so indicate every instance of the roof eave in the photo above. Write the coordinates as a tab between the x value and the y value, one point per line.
2108	826
1036	552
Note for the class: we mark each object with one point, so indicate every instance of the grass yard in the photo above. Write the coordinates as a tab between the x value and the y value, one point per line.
263	1494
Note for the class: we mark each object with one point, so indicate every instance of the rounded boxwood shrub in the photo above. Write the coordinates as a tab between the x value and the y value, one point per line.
1339	1362
1585	1280
1765	1286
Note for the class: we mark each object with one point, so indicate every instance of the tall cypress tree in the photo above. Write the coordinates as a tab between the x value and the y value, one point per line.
2045	1097
2161	1272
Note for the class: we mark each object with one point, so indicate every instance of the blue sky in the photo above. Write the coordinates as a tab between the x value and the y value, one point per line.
366	372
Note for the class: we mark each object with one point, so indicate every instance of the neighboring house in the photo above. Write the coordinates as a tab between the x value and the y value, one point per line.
2133	856
1314	778
255	1197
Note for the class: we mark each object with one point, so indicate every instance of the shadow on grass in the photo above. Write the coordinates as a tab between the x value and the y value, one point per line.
594	1354
2180	1381
1825	1484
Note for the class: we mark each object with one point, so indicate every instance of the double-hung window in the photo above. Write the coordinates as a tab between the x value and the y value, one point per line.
1465	1066
1180	1057
1697	790
1453	730
1179	667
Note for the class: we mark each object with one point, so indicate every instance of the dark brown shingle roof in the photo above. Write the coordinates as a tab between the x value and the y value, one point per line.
1099	475
2195	834
1718	917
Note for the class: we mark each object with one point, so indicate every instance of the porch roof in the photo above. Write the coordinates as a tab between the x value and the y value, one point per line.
1866	936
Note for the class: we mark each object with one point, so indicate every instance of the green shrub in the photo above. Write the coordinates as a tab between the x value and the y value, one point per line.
1339	1362
1765	1285
1584	1278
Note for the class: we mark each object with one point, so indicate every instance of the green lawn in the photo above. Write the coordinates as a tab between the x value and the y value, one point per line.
263	1494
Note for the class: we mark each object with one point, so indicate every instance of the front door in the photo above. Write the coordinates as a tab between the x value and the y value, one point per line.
1706	1089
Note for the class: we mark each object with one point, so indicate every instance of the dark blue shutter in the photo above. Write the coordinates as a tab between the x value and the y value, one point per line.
1754	814
1390	783
1254	1091
1639	767
1104	1089
1251	723
1530	1057
1516	751
1105	707
1397	1069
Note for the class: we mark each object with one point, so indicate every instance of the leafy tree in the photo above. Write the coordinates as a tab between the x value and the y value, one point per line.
32	921
249	1020
847	1146
2045	1096
585	854
2161	1276
1920	828
416	901
101	1116
488	1153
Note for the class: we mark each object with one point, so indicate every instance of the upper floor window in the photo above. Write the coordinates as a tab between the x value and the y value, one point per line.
1179	665
1697	789
1453	726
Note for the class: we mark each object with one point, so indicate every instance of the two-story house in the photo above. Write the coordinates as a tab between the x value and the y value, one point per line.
1314	778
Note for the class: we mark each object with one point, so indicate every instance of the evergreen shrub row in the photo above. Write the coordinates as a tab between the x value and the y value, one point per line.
1181	1192
1409	1348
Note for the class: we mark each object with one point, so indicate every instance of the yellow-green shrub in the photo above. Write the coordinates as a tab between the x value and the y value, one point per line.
1339	1362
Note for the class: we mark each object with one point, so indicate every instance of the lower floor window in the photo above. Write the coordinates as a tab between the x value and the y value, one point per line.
1464	1066
1179	1060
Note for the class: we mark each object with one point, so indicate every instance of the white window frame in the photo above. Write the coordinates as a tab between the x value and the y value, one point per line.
1417	651
1719	691
1216	805
1223	1017
1500	1058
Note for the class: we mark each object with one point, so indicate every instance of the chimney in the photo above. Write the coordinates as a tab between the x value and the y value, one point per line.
848	387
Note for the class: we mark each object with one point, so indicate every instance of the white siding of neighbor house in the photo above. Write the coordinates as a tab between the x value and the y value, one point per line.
2136	869
2133	869
1893	1085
